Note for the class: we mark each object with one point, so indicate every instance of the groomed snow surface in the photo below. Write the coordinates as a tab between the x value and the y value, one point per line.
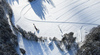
53	18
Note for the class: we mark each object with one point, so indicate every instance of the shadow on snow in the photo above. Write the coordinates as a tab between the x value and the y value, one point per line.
12	1
39	8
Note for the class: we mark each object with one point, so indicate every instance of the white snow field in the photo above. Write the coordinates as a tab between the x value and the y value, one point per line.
53	18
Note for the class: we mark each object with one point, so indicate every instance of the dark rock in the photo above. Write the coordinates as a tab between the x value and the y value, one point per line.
92	43
1	12
7	39
1	53
31	0
42	39
68	40
22	51
27	35
90	49
55	39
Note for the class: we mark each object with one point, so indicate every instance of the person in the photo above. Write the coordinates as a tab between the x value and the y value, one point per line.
36	28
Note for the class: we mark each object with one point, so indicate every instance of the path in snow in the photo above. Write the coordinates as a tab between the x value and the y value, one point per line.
54	18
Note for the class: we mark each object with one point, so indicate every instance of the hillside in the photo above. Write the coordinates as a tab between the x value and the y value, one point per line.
52	27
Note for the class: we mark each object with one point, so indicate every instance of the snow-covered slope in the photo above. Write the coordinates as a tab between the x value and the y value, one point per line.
53	18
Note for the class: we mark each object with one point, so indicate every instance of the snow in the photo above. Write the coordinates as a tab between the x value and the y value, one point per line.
53	18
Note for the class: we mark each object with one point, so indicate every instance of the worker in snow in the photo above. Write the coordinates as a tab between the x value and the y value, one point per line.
36	28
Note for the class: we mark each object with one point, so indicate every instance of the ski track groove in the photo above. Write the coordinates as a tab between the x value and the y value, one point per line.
21	12
88	17
59	3
66	6
72	9
25	12
81	11
46	50
60	22
86	21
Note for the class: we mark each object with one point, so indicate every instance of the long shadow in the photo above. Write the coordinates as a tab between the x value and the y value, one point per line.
45	48
50	2
13	20
61	52
82	17
32	48
39	8
12	1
